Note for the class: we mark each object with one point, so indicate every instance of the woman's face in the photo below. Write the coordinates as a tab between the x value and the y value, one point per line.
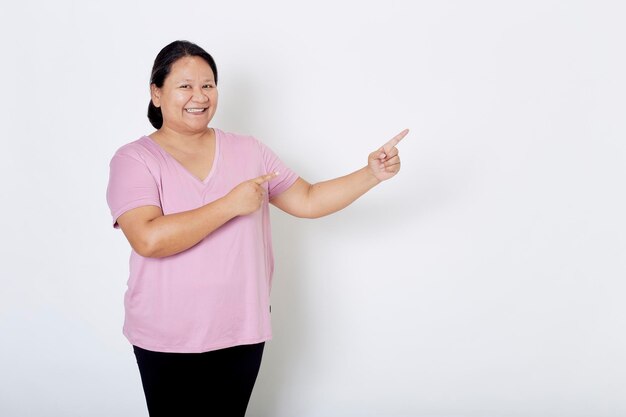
188	98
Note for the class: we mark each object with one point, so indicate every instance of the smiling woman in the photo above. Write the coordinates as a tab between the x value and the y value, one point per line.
188	95
166	61
193	202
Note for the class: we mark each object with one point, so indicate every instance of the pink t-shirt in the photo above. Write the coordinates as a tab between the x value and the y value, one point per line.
215	294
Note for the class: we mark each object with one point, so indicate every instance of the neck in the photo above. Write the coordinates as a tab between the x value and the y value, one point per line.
172	137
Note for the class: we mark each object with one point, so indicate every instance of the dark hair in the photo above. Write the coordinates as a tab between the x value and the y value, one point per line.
162	66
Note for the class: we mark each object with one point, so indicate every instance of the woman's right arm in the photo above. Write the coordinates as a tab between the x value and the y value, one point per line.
154	235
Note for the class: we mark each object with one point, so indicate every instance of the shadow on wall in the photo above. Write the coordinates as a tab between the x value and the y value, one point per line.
289	355
283	354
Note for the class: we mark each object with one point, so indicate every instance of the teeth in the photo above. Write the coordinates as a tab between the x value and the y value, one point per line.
194	110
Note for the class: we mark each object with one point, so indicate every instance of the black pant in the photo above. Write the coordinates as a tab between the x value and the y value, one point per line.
217	383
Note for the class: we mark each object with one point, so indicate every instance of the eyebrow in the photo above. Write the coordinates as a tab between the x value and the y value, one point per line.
186	80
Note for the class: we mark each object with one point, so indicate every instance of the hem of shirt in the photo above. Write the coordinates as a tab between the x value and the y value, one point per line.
285	186
133	205
195	349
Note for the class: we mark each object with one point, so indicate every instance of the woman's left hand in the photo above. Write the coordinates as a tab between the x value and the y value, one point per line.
384	163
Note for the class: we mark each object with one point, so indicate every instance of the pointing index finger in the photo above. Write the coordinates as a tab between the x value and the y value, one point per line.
395	140
265	178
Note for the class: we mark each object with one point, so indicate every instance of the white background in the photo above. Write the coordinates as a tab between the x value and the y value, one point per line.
486	279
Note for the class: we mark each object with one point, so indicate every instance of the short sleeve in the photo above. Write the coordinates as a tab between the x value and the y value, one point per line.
286	177
131	185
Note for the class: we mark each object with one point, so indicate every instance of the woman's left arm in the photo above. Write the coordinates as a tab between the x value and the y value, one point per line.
312	201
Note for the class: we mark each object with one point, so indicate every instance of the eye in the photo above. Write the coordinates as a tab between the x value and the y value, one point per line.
185	86
208	86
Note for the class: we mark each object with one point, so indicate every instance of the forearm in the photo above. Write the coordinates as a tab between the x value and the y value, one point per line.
173	233
330	196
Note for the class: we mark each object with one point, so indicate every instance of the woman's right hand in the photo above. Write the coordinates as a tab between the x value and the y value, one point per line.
154	235
248	196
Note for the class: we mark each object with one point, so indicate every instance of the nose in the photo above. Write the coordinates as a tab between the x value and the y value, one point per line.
200	96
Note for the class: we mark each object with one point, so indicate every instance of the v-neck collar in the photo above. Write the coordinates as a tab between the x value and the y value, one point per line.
169	156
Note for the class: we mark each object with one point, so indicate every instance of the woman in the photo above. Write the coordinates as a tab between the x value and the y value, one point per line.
193	203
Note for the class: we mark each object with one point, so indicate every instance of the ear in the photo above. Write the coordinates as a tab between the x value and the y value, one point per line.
155	94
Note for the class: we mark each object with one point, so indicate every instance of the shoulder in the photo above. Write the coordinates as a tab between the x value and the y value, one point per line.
142	149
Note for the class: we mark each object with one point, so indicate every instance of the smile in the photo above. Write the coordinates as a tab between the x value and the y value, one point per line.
195	110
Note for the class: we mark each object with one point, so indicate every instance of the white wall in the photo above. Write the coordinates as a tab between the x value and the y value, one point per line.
487	279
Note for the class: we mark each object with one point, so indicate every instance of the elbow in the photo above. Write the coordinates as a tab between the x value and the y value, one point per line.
318	204
313	215
311	209
148	248
144	250
315	210
306	215
307	212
